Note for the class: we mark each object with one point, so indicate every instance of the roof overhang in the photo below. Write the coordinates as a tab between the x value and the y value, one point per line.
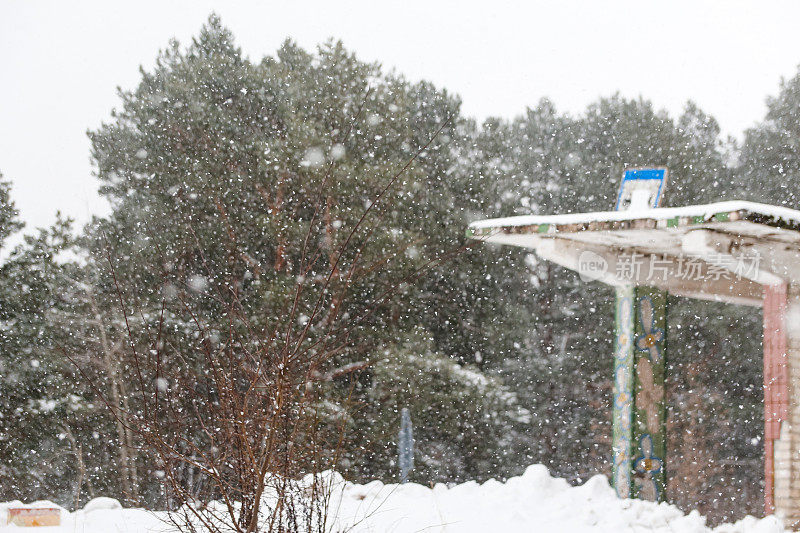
724	251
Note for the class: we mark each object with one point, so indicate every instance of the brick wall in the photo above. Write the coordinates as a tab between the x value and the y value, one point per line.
786	452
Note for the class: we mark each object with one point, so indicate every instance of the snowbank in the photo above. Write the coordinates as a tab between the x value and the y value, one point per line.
531	502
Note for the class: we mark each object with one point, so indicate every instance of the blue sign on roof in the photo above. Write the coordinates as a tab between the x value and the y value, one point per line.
646	183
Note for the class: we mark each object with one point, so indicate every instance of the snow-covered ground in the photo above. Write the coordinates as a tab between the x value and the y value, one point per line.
531	502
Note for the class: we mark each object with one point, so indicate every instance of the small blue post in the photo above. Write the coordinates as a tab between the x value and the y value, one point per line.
405	445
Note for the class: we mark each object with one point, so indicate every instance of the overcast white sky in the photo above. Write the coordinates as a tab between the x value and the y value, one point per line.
60	62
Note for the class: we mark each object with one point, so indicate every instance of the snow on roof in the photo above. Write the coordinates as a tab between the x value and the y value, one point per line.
766	214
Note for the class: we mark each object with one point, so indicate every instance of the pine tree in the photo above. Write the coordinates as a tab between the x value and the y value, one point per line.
217	168
769	163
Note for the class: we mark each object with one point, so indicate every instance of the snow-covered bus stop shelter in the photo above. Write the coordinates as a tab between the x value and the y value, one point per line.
735	252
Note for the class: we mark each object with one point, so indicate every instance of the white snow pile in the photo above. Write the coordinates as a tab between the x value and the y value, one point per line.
531	502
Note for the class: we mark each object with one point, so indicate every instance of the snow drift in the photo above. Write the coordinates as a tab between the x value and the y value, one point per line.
534	501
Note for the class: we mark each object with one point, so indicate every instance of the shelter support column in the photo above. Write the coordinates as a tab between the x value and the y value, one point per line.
782	403
639	413
622	394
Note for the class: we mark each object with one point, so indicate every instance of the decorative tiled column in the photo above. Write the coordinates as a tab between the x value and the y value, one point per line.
639	411
622	406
